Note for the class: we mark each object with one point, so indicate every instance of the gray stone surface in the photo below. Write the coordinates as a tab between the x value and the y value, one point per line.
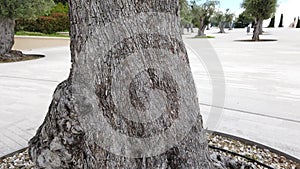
262	88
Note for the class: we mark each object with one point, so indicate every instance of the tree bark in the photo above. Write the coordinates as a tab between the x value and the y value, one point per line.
256	31
130	82
7	26
202	27
261	27
221	27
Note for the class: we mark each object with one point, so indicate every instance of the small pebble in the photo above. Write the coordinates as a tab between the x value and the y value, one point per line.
265	156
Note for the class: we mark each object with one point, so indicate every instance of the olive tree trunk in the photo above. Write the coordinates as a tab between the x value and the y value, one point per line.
6	35
130	100
202	27
221	27
261	27
257	29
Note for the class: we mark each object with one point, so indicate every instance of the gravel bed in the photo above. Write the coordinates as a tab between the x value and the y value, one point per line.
264	156
21	160
16	56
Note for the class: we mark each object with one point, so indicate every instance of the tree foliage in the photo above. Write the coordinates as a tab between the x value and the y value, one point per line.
15	9
60	8
243	20
56	21
260	9
185	12
61	1
204	10
223	18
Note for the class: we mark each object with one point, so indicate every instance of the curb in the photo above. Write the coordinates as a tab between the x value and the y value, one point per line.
12	153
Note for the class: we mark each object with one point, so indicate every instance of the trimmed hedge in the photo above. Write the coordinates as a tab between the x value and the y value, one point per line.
55	22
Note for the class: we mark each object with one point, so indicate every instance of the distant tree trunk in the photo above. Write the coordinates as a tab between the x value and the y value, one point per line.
230	26
130	100
281	21
221	27
272	23
208	27
6	35
261	27
257	29
202	27
298	23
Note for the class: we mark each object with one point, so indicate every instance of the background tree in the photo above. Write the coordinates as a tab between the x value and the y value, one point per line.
281	21
219	19
61	1
222	19
202	13
126	61
272	22
229	18
259	10
243	20
57	20
10	10
185	13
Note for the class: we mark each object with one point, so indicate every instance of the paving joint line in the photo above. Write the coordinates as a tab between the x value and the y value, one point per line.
41	80
252	113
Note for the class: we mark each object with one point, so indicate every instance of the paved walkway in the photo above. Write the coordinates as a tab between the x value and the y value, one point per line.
26	90
262	89
262	86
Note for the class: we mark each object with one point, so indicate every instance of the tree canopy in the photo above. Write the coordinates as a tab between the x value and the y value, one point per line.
62	1
260	9
15	9
205	10
243	20
222	18
185	12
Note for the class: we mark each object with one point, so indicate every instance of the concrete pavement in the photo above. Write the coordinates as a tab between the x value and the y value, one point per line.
262	85
26	90
262	88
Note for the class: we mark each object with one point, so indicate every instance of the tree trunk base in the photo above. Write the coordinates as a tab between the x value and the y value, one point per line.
15	56
6	35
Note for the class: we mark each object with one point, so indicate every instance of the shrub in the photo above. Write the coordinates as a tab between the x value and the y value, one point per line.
60	8
55	22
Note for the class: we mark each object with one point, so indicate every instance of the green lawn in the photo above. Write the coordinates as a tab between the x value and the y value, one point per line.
204	37
25	33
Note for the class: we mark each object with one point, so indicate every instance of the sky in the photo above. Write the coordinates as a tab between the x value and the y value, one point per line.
289	9
235	5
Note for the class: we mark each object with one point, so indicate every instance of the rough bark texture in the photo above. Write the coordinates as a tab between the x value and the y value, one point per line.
261	27
6	35
257	29
202	27
128	60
